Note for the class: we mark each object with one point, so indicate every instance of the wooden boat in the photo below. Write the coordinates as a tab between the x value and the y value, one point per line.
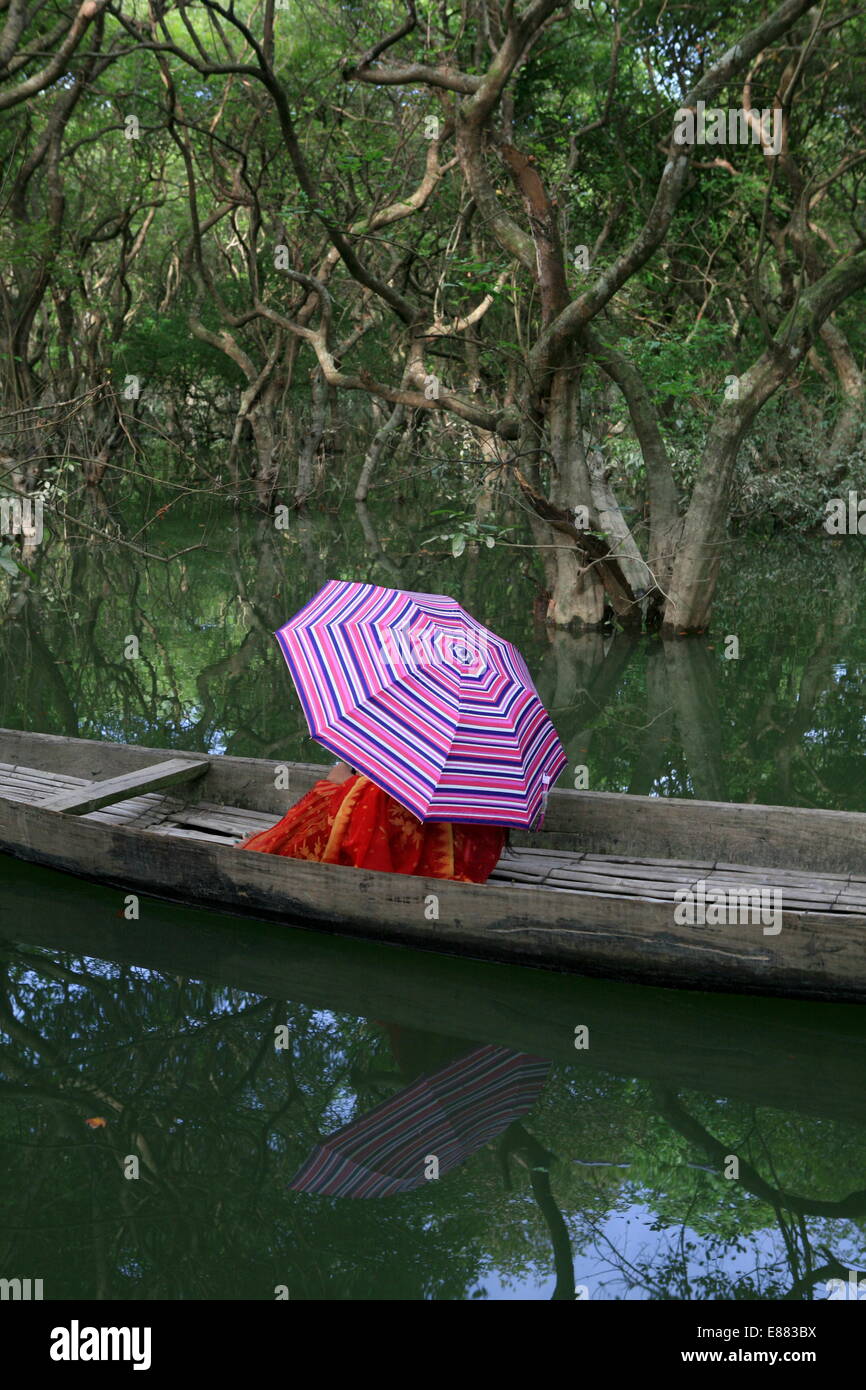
594	893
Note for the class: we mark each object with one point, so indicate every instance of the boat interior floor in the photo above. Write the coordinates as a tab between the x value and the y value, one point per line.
568	871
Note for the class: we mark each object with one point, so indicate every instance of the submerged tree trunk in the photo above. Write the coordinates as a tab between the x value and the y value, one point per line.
849	422
383	439
311	443
578	592
614	525
267	451
697	561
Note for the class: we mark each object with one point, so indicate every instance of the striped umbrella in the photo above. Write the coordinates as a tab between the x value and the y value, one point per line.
447	1116
429	704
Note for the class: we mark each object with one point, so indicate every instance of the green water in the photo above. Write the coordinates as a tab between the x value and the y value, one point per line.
614	1183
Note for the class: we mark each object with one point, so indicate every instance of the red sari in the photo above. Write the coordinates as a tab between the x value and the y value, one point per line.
356	823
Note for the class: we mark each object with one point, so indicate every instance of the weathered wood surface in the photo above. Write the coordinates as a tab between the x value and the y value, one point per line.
601	822
817	955
562	870
39	788
92	796
807	1058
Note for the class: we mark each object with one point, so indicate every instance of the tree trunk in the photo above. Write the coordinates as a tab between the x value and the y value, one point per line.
578	593
696	566
383	439
613	523
313	437
267	466
850	419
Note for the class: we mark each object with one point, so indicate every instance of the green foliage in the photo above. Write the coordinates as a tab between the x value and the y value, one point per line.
468	530
159	347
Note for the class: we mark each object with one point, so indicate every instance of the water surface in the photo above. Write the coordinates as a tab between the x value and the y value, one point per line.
612	1185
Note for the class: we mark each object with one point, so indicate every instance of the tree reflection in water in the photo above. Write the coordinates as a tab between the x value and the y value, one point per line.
183	1068
165	1028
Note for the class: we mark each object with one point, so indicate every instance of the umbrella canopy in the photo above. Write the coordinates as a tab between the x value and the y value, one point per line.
429	704
447	1115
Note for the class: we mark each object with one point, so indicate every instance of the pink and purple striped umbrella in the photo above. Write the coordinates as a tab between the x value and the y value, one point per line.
429	704
448	1115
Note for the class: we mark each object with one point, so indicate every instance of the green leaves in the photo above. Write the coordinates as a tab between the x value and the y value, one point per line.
11	564
468	530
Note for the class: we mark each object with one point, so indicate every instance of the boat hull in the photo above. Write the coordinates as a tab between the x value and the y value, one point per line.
815	956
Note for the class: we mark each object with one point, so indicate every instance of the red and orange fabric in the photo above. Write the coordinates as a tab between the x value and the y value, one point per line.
357	824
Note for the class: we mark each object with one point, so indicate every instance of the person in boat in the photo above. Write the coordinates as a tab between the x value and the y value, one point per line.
346	819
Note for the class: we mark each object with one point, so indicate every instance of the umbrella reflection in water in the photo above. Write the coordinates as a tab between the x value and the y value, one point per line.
446	1115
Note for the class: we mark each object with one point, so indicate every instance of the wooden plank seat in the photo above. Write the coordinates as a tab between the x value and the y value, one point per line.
150	810
93	796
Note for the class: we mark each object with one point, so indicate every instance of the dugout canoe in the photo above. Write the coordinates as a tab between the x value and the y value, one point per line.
594	893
